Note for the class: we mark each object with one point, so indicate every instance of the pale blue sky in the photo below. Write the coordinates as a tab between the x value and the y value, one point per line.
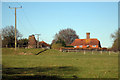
47	18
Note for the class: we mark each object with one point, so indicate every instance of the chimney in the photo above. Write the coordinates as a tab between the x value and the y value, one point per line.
33	36
87	35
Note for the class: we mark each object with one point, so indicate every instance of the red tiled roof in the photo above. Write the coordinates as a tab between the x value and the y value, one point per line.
42	42
91	41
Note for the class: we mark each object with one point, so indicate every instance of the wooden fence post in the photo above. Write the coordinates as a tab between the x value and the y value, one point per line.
109	52
101	52
84	51
92	52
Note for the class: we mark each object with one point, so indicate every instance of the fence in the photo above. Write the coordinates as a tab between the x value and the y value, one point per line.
101	51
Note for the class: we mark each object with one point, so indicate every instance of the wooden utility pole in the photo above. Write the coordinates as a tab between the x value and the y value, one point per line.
15	24
38	40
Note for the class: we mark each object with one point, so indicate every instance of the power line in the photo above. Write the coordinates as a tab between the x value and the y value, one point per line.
19	18
26	17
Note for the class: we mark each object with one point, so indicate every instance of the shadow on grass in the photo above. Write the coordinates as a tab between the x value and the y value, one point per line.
37	73
34	77
44	73
41	51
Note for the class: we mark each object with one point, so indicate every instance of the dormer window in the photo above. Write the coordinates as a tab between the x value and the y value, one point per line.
94	46
75	46
80	46
88	46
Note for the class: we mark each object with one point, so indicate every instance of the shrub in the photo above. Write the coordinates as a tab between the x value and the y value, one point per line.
57	45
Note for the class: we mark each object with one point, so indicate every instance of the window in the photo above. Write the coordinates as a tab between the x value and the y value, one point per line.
94	45
87	45
80	46
75	46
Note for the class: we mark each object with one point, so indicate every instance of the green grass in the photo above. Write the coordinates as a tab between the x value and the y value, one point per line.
58	65
11	51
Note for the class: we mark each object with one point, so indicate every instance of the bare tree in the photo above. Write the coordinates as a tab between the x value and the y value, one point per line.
8	36
116	38
67	35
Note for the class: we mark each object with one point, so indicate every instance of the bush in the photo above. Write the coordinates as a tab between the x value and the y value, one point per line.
57	45
69	46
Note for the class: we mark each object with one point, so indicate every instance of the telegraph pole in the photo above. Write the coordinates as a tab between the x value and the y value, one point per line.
38	40
15	23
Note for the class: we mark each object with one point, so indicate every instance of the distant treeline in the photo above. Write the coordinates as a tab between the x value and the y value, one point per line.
62	39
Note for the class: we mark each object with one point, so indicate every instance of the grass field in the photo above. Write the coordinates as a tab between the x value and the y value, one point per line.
56	65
